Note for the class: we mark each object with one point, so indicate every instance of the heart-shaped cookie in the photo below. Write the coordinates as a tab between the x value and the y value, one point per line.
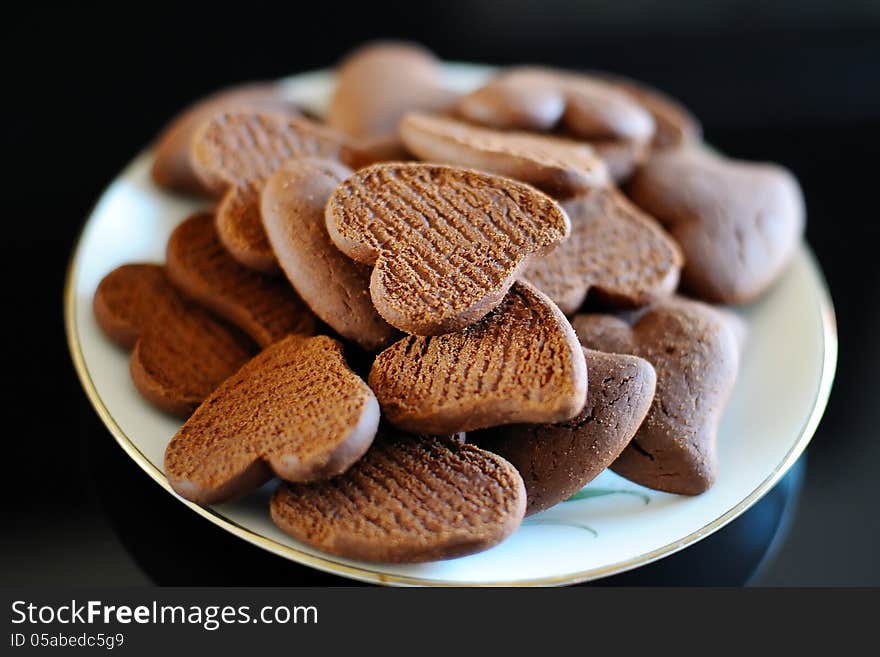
560	167
240	150
336	287
614	249
295	410
695	354
264	307
674	124
379	83
447	243
172	168
738	223
180	353
522	363
409	499
557	460
584	107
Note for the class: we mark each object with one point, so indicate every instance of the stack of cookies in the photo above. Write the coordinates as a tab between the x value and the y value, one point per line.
435	313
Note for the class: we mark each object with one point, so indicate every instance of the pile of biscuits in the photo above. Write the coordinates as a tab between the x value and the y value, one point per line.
432	314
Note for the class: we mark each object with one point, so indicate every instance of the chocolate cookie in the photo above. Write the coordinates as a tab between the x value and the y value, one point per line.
738	223
447	243
559	167
522	363
172	168
295	410
335	286
614	249
695	355
179	352
675	125
264	307
581	106
409	499
379	83
557	460
240	150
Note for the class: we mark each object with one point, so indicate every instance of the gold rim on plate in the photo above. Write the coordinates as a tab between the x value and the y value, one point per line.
829	364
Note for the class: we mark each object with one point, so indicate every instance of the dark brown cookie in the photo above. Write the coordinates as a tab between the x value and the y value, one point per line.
522	363
264	307
560	167
240	150
614	249
738	223
180	353
557	460
172	168
336	287
409	499
378	83
295	410
695	354
581	106
447	243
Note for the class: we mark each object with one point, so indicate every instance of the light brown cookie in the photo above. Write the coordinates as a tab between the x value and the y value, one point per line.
559	167
240	150
380	82
522	363
447	243
557	460
695	354
180	353
614	249
409	499
295	410
172	168
264	307
738	223
334	286
581	106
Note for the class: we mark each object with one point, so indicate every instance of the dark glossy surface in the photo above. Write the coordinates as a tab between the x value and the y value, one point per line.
795	83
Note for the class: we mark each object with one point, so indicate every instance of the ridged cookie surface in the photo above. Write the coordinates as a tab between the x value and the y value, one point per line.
409	499
295	410
615	249
522	363
172	167
334	286
560	167
696	356
446	243
241	150
180	352
557	460
264	307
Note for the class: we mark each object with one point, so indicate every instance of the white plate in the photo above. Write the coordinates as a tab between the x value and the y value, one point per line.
616	525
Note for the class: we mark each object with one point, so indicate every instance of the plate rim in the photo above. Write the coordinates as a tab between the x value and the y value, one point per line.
364	574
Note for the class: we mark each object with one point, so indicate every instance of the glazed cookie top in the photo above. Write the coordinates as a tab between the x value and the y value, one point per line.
446	243
737	222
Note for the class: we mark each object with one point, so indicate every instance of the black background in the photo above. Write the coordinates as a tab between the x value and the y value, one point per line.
87	87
